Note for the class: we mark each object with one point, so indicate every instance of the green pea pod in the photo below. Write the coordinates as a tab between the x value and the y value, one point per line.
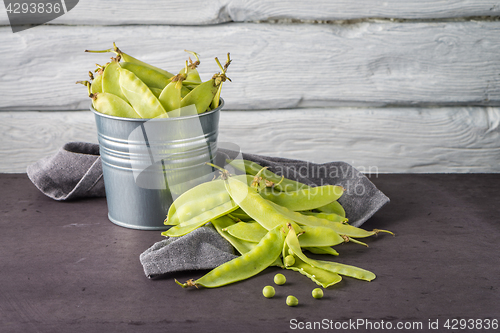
149	76
258	208
110	104
191	70
240	215
186	227
140	97
317	275
156	91
352	271
221	224
170	97
304	199
113	105
201	96
199	199
311	236
247	265
333	208
327	216
216	99
319	236
247	231
322	277
96	86
111	79
322	250
346	270
280	183
128	58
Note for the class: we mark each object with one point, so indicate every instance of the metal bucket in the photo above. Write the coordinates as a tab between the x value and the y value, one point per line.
147	163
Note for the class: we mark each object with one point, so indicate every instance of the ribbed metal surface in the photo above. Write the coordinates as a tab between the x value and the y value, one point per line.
147	163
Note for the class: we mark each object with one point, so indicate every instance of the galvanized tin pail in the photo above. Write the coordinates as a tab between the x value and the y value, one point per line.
147	163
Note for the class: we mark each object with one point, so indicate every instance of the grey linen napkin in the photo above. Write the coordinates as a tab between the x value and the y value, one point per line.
202	248
75	172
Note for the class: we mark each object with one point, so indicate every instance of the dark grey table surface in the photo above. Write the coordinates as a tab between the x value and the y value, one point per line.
66	268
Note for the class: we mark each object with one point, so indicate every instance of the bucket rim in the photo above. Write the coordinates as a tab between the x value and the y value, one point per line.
221	104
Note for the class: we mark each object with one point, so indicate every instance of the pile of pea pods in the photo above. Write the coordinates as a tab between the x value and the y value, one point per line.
128	87
270	221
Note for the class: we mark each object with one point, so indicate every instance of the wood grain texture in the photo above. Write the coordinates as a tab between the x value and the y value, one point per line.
275	66
178	12
26	137
414	140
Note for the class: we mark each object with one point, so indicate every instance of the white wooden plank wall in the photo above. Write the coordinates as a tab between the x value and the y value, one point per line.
389	86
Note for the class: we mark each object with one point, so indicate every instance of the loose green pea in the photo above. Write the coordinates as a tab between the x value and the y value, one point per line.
289	260
268	291
279	279
317	293
292	301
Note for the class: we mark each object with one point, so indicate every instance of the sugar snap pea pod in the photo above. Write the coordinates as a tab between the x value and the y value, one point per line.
247	231
140	97
156	91
111	79
354	240
190	80
97	84
322	277
199	199
171	96
186	227
352	271
216	99
281	183
340	228
191	70
346	270
321	250
113	105
304	199
110	104
96	81
327	216
240	215
333	208
258	208
318	275
319	236
147	75
203	95
247	265
128	58
221	224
